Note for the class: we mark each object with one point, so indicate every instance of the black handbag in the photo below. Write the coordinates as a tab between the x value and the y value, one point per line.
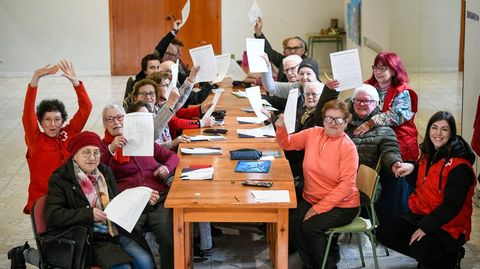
71	248
245	154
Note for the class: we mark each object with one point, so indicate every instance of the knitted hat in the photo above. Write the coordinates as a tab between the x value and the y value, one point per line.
368	89
310	63
83	139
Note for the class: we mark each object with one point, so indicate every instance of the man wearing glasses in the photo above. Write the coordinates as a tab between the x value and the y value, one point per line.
291	45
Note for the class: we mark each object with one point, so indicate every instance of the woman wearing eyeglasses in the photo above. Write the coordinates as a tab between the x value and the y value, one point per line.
398	103
133	171
78	193
330	196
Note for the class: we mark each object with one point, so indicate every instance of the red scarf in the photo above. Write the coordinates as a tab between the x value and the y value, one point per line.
118	152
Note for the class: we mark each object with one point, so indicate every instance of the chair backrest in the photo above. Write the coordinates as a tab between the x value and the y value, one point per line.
367	180
37	215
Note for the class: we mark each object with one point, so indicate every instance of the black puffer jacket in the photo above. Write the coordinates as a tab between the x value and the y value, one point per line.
379	140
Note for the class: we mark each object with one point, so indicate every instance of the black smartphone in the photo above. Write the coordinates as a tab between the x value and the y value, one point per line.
215	131
257	183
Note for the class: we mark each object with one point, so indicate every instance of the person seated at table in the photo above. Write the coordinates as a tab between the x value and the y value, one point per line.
291	46
380	141
47	149
66	207
439	220
155	172
290	68
330	196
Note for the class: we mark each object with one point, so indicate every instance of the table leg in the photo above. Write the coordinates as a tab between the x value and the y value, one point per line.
179	239
189	245
281	248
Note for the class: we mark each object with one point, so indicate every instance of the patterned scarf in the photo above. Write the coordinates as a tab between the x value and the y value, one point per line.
118	152
96	199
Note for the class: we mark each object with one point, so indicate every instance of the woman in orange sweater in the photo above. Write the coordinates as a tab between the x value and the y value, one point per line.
330	196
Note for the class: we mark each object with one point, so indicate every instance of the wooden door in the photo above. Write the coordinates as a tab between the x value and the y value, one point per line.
136	26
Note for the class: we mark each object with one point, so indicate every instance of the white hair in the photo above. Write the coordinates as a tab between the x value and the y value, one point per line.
368	89
294	58
108	107
314	84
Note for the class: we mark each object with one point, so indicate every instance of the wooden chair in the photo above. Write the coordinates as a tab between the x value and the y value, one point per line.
367	182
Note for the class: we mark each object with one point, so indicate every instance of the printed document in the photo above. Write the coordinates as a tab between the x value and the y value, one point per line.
173	83
138	130
235	71
290	113
255	99
255	48
203	56
346	69
223	63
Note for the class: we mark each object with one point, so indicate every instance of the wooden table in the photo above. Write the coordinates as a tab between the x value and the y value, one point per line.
225	199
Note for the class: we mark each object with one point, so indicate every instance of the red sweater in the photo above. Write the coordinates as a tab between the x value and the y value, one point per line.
183	120
330	167
45	154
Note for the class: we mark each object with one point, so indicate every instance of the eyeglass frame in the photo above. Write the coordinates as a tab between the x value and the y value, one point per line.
118	117
145	94
286	71
170	54
294	49
311	94
379	68
365	102
87	154
338	120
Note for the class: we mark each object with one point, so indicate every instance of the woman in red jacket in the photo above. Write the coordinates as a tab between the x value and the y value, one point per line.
439	219
47	149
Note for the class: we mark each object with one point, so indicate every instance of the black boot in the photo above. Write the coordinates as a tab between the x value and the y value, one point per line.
16	255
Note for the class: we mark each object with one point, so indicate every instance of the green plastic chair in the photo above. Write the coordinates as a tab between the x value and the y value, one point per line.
367	182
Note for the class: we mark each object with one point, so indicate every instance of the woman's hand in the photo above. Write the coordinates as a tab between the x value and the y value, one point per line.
193	74
154	198
205	107
99	215
43	71
310	213
118	142
332	84
265	57
280	123
68	71
404	170
178	140
258	27
266	113
417	236
176	25
161	171
172	98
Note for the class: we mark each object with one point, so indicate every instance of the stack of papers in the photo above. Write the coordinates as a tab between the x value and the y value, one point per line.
206	138
273	196
266	131
246	120
197	174
201	151
250	110
240	94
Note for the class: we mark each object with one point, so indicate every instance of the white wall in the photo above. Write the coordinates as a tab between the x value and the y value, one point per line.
34	33
282	18
426	34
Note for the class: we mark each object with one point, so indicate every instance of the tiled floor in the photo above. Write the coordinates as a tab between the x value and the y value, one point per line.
241	246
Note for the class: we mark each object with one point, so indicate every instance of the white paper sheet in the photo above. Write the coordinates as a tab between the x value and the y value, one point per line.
206	138
265	131
255	48
249	120
290	111
254	13
203	56
138	130
185	12
126	207
235	71
198	174
223	63
216	97
201	151
346	69
173	83
249	109
273	196
255	99
240	94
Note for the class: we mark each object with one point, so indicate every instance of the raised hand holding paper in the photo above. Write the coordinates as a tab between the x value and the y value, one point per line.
138	130
254	13
185	12
203	56
173	83
235	71
255	48
223	63
255	99
346	69
291	110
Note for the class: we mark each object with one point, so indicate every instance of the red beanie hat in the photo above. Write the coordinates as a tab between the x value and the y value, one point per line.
83	139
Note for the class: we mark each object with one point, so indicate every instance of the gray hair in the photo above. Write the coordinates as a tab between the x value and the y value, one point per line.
108	107
368	89
294	58
314	84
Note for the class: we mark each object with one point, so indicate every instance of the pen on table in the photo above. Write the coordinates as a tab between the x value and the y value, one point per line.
327	76
252	194
236	198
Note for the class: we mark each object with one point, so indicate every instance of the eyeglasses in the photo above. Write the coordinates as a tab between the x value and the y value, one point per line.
170	54
381	68
87	154
111	119
363	102
294	49
145	94
338	120
291	69
311	94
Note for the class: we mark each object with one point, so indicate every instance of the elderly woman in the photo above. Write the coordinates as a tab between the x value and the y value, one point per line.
79	191
330	196
47	149
439	219
376	142
134	171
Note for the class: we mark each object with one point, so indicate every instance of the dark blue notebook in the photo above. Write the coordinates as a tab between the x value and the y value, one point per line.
253	166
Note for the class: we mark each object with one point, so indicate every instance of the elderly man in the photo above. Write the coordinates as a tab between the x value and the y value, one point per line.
291	45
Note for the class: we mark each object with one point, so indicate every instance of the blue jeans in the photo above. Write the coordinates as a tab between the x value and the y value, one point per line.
141	258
